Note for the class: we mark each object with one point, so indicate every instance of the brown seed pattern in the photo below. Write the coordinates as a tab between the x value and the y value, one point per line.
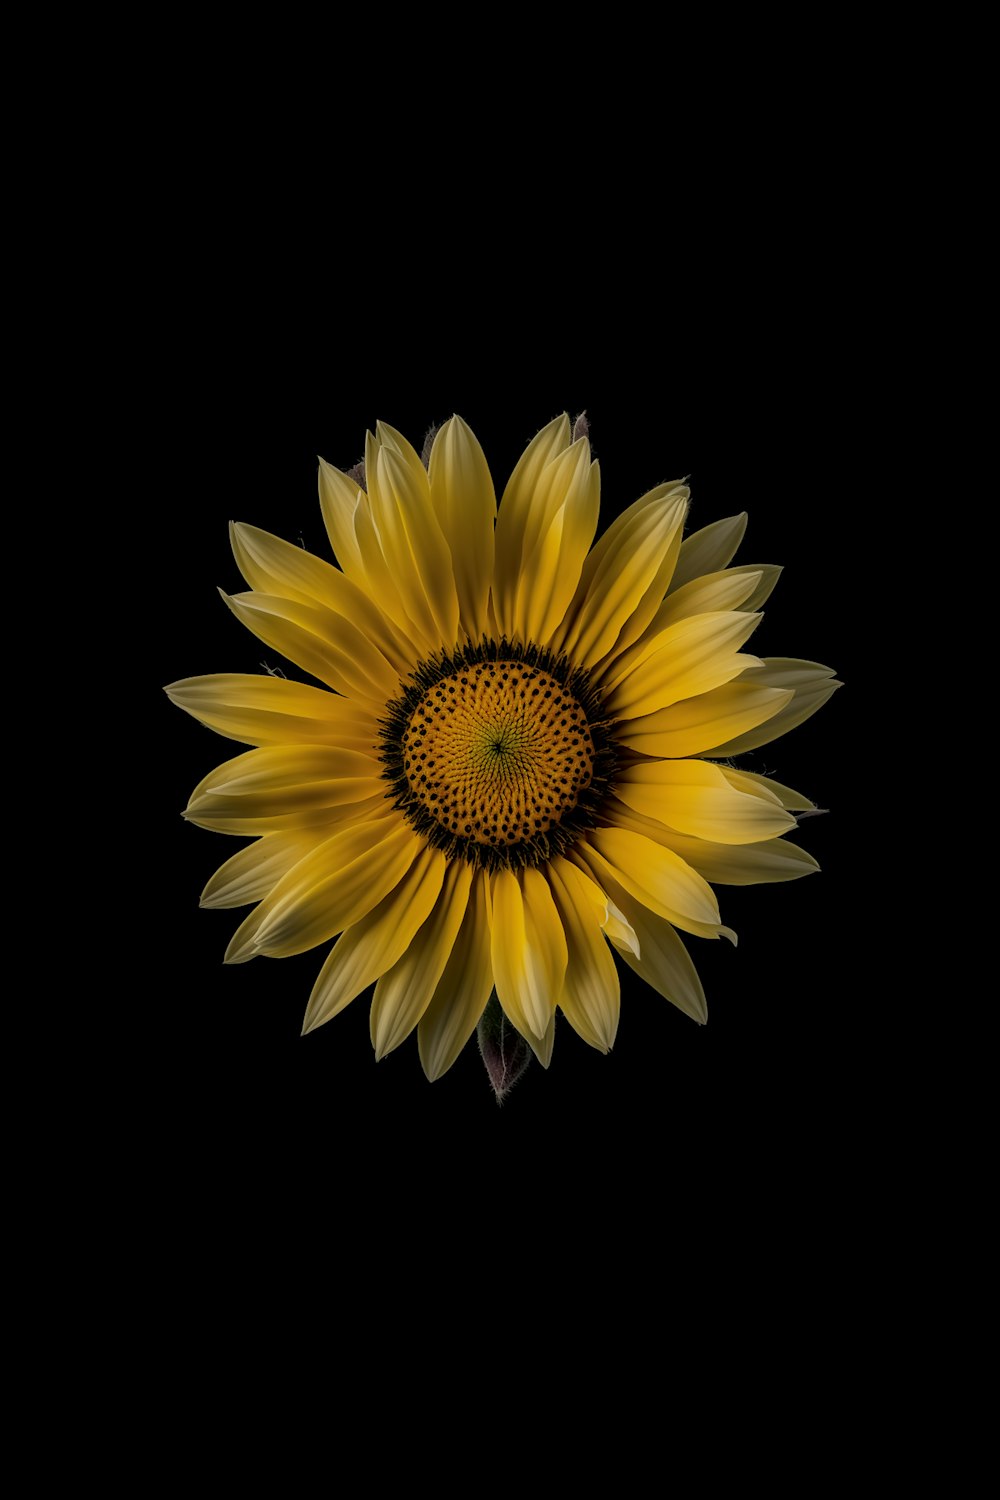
498	752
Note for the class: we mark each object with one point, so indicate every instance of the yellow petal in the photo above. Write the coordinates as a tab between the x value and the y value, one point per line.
721	864
663	961
542	1046
255	870
414	546
277	568
320	642
334	886
381	581
769	575
684	660
514	516
695	724
812	685
338	500
788	797
528	948
590	997
696	798
563	522
405	991
709	594
372	945
285	780
461	994
320	822
708	550
654	875
620	573
465	504
274	711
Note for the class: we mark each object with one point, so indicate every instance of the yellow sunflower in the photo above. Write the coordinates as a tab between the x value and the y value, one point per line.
520	751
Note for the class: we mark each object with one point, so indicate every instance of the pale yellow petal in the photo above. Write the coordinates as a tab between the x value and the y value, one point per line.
708	550
712	592
320	642
699	799
465	504
542	1046
528	948
461	994
412	541
383	585
254	871
319	821
721	864
812	685
621	572
274	711
561	529
404	992
686	659
695	724
334	886
514	515
338	499
788	797
276	568
590	997
654	875
769	575
372	945
285	780
662	961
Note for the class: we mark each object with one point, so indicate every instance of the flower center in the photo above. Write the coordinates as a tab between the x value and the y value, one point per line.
497	752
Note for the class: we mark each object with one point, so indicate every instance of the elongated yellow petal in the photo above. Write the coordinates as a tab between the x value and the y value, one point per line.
461	994
284	787
769	575
338	500
590	997
699	799
528	948
721	864
276	568
373	944
654	875
550	579
620	573
318	821
559	531
708	550
789	798
412	541
684	660
542	1046
514	515
381	581
254	871
404	992
812	685
662	960
274	711
465	504
322	643
334	886
695	724
709	594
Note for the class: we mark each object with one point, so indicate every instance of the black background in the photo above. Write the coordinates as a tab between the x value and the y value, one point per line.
770	1078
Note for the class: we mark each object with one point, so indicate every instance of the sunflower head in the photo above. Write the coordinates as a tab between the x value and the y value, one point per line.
519	752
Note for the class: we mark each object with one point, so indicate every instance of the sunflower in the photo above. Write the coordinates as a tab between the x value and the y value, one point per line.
520	752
